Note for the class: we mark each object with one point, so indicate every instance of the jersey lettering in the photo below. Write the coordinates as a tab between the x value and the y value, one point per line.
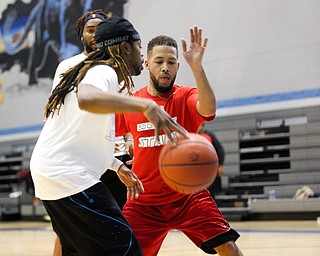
147	142
148	126
145	127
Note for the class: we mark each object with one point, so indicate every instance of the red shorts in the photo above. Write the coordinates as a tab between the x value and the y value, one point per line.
197	216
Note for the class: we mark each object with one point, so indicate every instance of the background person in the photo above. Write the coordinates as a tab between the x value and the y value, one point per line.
216	186
85	29
123	152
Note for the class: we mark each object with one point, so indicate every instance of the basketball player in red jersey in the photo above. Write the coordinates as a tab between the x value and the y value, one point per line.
160	209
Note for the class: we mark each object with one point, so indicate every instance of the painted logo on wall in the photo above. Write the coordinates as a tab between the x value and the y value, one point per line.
36	36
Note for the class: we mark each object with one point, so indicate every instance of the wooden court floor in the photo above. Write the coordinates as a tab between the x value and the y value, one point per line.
258	238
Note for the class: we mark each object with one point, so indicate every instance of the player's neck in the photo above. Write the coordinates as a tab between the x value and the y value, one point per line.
87	51
152	91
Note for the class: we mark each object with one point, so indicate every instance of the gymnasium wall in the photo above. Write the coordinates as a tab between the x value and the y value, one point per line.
263	55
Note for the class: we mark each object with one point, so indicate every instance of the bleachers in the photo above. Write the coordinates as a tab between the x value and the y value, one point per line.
259	158
277	151
14	194
306	177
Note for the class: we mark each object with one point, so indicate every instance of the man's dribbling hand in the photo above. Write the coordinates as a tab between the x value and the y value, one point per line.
162	121
132	182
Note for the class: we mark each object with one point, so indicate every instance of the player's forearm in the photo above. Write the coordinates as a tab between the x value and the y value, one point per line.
207	101
96	101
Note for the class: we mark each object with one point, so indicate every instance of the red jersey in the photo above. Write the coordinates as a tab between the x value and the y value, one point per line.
180	104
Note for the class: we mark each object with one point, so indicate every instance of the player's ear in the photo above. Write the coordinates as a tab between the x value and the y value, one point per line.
146	63
125	47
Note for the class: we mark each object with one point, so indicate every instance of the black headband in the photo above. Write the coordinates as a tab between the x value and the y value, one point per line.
90	17
94	16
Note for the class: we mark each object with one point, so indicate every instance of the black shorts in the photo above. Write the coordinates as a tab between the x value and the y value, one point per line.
115	185
91	223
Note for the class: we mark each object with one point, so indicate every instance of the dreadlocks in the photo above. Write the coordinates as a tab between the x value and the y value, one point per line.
85	17
111	56
120	63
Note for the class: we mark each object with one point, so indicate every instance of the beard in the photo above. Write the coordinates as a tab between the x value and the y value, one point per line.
88	48
159	88
136	67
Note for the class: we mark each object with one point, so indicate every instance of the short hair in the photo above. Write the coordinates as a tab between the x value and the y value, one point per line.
162	40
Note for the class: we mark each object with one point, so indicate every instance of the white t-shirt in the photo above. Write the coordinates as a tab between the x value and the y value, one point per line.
120	146
75	147
66	65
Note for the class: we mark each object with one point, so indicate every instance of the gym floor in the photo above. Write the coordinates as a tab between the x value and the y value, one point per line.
258	238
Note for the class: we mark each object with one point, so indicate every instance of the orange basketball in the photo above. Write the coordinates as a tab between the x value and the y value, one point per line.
190	166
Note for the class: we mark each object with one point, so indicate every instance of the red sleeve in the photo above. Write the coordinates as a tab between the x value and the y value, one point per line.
121	128
192	102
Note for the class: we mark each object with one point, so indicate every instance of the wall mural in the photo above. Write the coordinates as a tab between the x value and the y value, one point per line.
36	36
